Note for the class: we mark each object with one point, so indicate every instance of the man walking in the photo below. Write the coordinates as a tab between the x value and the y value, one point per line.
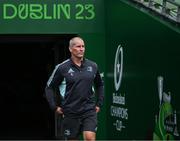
79	84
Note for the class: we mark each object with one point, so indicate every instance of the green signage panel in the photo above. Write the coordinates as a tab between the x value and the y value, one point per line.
51	16
142	76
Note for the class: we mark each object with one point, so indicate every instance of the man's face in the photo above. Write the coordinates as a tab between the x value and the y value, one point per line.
78	49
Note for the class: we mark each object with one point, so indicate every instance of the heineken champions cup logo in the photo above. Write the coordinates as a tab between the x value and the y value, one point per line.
118	67
118	109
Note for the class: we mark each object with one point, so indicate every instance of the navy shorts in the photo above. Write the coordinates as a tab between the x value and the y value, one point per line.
72	127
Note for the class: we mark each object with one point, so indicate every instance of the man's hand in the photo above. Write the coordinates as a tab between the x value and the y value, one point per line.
97	109
59	110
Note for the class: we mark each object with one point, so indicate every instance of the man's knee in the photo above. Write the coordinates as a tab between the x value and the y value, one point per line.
89	136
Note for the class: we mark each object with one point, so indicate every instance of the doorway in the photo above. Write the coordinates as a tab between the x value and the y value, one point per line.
26	63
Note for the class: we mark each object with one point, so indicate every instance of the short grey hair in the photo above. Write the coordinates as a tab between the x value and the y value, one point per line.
72	43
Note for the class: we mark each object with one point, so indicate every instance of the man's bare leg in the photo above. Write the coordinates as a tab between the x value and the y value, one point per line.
89	136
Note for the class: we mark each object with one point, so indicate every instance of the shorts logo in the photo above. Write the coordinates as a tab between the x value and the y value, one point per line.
67	132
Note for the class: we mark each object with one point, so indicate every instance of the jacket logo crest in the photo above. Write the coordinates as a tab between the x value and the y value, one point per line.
70	71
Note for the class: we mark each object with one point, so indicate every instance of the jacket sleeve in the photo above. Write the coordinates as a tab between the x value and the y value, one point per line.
99	87
49	93
52	87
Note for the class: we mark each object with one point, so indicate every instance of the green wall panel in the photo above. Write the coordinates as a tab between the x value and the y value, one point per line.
150	49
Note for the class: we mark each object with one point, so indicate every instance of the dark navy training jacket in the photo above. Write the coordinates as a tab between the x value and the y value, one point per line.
76	87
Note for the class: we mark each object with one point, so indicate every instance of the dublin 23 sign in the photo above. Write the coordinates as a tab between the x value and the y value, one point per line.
52	15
